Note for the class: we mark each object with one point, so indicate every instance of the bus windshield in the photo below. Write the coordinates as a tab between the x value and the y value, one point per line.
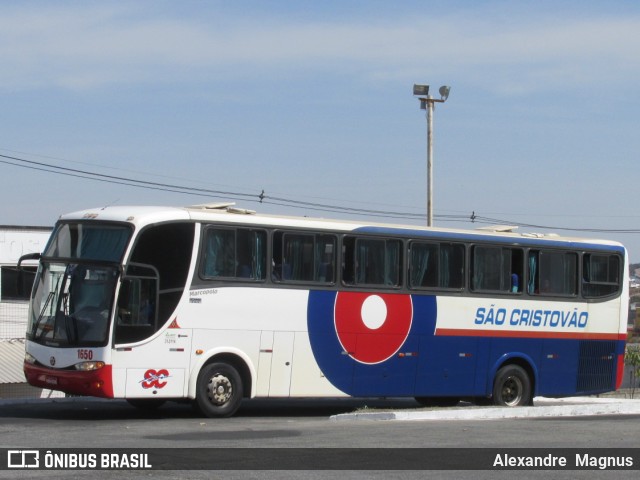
71	305
74	289
89	241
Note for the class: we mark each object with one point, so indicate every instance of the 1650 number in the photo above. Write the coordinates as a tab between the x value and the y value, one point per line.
85	354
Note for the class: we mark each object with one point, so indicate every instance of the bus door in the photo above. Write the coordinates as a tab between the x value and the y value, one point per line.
156	369
147	364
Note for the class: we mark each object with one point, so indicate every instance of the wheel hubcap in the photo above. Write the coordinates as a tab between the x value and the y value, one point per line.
220	389
512	391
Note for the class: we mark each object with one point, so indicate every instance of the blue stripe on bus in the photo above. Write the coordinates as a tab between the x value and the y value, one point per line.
521	240
395	376
464	366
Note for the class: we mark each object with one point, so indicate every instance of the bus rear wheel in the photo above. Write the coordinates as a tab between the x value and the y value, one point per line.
218	390
512	387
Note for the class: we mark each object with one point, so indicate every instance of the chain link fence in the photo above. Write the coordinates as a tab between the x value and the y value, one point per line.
13	325
13	319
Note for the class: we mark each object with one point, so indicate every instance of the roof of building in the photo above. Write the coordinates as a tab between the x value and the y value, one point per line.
11	361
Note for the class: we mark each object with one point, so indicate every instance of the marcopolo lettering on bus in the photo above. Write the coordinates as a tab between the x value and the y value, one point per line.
531	317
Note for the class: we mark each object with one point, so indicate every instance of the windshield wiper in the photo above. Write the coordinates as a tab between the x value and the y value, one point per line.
71	328
70	321
41	316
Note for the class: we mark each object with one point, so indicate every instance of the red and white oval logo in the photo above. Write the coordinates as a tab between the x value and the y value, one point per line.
155	378
371	327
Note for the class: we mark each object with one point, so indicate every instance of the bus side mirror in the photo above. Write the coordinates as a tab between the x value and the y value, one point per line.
20	276
28	256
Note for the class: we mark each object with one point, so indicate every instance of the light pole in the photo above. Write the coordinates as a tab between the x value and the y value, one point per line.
427	103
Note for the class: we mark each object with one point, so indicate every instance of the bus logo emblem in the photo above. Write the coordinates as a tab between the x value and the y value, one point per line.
372	327
52	361
154	378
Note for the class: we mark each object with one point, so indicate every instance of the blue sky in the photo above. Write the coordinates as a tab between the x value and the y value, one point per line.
312	101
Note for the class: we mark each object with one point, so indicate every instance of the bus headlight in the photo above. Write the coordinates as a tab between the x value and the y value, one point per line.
30	359
89	366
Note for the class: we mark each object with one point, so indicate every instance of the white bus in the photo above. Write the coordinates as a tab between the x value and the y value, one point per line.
215	304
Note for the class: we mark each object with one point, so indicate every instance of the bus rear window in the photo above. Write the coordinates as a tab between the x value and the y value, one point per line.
600	275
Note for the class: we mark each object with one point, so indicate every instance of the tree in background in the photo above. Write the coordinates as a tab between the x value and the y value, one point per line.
632	358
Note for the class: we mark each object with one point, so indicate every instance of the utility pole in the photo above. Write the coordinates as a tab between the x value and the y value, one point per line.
427	102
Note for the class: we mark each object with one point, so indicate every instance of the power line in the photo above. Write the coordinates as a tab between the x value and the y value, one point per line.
119	180
488	220
263	198
256	198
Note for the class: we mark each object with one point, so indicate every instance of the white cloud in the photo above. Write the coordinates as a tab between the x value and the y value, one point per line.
94	46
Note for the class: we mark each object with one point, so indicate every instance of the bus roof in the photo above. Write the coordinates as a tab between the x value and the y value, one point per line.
140	216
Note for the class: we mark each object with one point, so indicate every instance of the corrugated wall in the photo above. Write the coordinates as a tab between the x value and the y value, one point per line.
11	359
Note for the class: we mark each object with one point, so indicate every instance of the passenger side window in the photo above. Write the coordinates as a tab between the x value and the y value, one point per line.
302	257
374	262
234	254
497	269
436	265
553	273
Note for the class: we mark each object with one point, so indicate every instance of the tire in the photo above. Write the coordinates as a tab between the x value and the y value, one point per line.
219	390
146	403
438	401
512	387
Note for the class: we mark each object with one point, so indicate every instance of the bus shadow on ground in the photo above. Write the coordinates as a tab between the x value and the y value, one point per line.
91	409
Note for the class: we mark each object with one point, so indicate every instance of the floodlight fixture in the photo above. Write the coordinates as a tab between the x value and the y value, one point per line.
420	89
444	92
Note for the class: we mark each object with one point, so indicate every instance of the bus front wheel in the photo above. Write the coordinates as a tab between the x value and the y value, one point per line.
218	390
512	387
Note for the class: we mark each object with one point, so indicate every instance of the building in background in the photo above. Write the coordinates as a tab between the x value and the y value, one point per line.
16	241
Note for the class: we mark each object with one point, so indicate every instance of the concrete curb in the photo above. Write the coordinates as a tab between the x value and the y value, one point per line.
544	407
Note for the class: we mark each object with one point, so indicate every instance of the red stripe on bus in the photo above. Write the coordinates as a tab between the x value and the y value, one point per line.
94	383
454	332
